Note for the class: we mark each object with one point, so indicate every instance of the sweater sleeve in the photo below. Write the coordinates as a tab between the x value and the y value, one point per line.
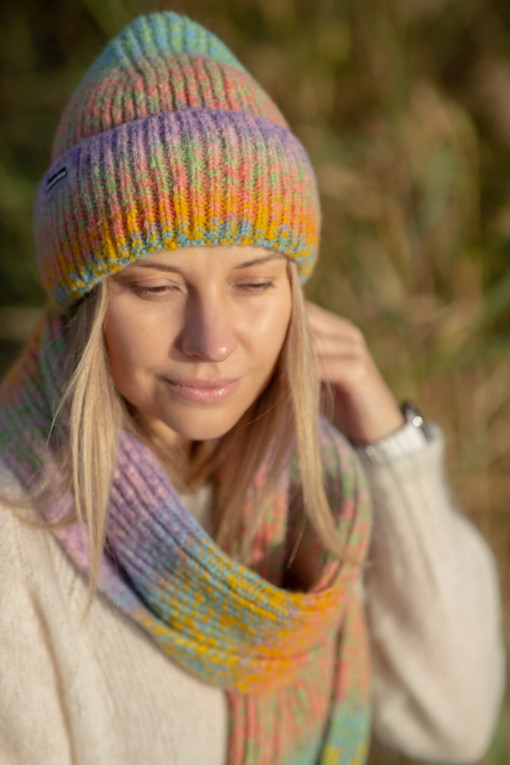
33	727
433	609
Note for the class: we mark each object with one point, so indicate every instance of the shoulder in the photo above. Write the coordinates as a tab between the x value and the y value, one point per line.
9	546
36	580
8	482
26	550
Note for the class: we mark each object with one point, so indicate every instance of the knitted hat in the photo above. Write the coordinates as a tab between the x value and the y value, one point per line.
168	142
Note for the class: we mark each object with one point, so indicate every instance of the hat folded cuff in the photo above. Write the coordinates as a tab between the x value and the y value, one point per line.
189	178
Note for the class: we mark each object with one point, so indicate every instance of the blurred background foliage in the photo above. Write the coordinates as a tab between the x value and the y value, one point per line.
404	107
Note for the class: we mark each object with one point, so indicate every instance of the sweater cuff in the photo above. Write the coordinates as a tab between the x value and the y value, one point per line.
406	441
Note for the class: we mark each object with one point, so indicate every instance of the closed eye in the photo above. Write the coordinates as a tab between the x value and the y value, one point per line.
255	286
155	290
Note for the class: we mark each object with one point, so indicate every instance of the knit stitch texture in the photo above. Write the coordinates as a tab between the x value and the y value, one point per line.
168	142
294	665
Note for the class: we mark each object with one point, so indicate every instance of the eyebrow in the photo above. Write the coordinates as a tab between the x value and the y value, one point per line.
257	261
178	270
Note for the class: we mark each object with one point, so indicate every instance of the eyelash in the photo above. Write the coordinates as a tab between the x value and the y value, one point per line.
255	286
252	287
160	290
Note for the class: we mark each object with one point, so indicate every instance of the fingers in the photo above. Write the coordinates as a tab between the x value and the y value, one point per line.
364	407
324	322
340	346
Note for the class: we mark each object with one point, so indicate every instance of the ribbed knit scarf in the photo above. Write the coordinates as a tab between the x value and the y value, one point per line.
294	665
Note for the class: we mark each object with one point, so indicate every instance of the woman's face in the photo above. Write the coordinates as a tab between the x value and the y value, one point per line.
193	335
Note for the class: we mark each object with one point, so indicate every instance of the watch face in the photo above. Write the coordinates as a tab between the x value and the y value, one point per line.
412	415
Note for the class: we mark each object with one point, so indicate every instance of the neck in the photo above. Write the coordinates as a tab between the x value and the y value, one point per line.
186	462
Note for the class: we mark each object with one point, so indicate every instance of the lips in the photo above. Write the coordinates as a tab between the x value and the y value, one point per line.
203	391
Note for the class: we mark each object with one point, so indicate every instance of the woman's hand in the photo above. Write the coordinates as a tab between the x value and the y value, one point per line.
363	406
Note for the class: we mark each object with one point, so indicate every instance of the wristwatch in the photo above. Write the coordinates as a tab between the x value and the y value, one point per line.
411	437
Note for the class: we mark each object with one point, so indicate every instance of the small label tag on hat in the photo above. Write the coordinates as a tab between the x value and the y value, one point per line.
56	178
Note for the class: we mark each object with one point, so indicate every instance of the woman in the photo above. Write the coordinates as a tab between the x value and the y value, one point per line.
200	590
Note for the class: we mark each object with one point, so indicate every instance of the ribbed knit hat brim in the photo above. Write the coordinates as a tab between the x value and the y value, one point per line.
172	180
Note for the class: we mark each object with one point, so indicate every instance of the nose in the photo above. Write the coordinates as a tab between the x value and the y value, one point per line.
208	331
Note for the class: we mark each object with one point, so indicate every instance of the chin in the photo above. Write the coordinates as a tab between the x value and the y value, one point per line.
200	429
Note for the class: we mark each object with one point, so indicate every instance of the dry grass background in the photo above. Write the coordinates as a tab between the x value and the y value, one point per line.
404	107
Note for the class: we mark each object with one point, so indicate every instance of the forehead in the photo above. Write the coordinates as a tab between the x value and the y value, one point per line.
224	257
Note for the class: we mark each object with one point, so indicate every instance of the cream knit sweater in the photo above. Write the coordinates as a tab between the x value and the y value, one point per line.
100	692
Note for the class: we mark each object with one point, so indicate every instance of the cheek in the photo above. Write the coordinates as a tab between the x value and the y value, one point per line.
269	332
280	318
132	346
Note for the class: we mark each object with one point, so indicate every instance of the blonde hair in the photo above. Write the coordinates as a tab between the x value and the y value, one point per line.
281	424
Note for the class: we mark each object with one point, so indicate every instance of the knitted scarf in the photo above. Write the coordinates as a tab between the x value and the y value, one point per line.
294	665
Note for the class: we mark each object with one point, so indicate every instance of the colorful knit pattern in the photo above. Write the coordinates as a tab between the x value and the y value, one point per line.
294	665
168	142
